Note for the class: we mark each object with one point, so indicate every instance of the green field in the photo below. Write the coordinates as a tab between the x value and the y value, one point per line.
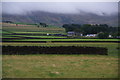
22	32
10	36
56	66
59	66
31	28
65	40
62	66
39	32
11	31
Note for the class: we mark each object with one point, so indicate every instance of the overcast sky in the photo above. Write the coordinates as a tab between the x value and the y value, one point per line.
60	7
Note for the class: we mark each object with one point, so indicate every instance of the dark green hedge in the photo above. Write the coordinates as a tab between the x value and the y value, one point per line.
24	50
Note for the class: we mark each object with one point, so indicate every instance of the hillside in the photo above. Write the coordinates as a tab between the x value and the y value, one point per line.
60	19
21	28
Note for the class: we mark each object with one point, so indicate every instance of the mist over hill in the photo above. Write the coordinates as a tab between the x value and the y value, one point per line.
59	19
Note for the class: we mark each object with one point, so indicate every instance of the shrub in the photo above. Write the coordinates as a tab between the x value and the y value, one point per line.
102	35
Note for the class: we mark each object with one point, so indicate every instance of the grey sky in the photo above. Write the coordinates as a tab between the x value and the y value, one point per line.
60	7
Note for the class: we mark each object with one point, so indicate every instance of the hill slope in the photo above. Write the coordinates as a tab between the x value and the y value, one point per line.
60	19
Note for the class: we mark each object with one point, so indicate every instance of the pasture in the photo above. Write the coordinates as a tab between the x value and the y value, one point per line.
56	65
62	66
32	33
64	40
13	28
59	66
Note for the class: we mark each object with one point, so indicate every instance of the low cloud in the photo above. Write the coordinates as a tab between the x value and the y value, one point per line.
99	8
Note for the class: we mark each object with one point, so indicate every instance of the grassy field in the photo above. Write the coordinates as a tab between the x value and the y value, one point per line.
59	66
56	66
31	28
65	40
21	32
62	66
10	36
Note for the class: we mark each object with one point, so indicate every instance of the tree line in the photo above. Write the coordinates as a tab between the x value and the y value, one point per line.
93	29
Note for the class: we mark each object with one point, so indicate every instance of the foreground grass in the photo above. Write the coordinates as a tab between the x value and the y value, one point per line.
62	66
59	66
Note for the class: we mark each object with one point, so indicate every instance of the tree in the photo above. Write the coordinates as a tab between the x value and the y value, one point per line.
116	35
91	29
72	27
43	24
103	35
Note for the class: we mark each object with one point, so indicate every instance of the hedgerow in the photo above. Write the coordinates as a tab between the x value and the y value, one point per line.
25	50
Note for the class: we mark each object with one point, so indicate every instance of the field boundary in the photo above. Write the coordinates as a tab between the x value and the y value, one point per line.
25	50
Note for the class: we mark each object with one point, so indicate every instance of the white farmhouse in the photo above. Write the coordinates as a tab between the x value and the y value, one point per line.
91	35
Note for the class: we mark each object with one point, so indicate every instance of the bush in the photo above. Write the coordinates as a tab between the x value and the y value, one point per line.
103	35
116	35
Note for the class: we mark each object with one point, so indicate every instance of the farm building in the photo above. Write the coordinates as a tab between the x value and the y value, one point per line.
110	36
91	35
73	34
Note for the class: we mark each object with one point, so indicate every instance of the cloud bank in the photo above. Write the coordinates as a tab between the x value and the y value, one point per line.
99	8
